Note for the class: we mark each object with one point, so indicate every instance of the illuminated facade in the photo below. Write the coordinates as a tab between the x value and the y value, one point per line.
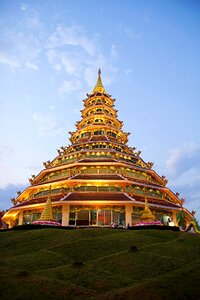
98	178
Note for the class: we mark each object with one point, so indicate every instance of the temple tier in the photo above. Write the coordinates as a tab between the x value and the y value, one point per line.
97	179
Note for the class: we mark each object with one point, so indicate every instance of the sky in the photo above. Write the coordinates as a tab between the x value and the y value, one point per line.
149	55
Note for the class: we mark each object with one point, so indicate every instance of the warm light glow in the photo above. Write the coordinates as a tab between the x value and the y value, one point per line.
171	224
116	171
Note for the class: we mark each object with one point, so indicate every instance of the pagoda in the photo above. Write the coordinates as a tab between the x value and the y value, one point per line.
98	178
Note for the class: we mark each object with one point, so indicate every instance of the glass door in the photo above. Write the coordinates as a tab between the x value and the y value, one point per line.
104	217
107	218
100	217
93	217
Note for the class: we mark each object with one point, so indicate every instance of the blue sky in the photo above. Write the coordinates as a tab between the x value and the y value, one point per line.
148	52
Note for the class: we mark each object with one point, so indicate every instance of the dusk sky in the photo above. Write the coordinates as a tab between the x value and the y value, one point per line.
149	55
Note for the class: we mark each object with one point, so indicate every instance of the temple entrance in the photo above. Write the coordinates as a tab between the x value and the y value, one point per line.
104	217
82	218
97	217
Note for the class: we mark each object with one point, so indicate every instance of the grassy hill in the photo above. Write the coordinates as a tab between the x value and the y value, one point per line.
99	264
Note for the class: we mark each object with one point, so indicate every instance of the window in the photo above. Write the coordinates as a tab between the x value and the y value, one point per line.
98	146
98	132
85	134
72	217
94	146
111	134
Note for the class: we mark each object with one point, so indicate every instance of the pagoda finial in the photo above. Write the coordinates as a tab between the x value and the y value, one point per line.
99	88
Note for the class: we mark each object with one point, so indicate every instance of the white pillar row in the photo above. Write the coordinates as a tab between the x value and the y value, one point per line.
129	209
65	214
20	217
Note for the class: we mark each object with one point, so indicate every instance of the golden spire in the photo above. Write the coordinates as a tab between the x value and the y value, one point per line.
47	214
147	214
99	88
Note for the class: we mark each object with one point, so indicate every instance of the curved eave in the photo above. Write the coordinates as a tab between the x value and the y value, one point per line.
97	127
164	206
98	95
79	163
173	196
11	213
107	141
87	201
187	212
85	110
73	181
105	116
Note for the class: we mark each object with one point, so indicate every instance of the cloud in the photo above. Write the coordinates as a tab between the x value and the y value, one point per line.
52	107
9	191
31	17
70	62
30	65
70	50
127	71
19	50
113	53
5	152
183	166
181	159
9	60
73	51
69	86
33	21
105	63
47	123
128	32
24	7
67	52
71	36
11	166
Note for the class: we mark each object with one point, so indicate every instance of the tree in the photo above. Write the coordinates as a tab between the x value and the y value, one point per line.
197	223
180	218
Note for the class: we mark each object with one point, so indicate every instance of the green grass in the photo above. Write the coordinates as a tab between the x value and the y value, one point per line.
39	264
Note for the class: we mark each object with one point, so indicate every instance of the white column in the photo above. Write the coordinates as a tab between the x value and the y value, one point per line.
65	214
20	217
128	210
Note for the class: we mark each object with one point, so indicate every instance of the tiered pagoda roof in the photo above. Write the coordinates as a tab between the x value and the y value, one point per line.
98	164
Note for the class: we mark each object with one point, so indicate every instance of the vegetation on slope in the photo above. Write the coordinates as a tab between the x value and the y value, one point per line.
99	264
